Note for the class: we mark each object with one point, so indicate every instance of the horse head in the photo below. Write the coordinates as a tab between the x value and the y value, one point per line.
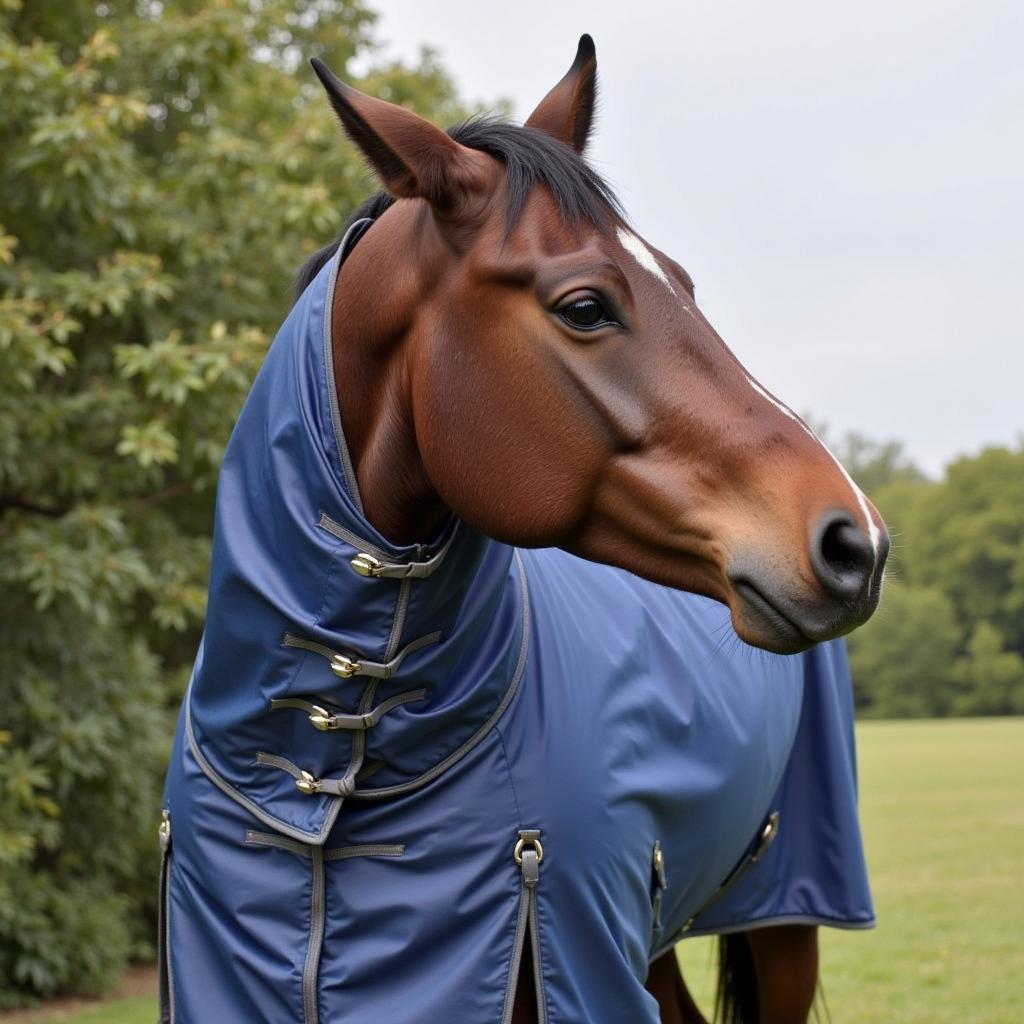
508	349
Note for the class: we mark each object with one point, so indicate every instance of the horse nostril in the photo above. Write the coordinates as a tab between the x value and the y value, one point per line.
842	555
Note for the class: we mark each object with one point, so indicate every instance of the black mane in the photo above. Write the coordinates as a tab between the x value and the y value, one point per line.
530	158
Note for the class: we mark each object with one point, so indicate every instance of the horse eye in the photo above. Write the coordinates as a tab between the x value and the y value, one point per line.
585	313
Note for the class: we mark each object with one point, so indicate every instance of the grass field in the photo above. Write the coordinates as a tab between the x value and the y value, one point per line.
943	813
136	1010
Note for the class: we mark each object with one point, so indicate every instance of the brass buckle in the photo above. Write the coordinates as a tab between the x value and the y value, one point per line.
307	783
321	718
344	666
366	565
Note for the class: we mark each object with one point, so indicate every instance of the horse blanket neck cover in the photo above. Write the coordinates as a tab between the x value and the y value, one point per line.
398	766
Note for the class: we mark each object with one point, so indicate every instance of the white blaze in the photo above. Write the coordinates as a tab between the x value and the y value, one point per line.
644	257
636	248
862	502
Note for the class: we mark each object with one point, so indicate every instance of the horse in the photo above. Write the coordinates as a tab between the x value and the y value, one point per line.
521	641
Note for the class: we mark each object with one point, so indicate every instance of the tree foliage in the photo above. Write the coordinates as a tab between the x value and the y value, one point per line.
902	661
165	169
949	636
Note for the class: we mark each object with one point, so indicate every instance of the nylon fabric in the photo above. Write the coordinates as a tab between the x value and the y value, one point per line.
606	712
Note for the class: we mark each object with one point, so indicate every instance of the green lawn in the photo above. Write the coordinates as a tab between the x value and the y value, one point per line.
943	811
138	1010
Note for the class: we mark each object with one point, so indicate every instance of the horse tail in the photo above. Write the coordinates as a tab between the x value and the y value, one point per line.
736	998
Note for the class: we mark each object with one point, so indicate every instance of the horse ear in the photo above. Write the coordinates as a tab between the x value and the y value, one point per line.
567	112
412	157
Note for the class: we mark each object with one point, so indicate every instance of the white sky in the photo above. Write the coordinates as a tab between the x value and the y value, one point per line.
844	181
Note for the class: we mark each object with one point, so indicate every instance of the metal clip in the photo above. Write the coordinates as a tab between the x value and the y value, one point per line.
659	865
528	837
660	883
365	564
765	838
767	835
321	718
344	666
307	783
165	829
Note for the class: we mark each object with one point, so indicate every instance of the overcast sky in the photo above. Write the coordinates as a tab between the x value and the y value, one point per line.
843	181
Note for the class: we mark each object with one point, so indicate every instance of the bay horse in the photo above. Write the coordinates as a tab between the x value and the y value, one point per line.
470	735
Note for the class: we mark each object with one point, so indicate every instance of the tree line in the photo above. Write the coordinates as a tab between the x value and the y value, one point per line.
948	638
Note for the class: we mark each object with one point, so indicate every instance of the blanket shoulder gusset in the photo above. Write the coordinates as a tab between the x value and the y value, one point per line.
815	871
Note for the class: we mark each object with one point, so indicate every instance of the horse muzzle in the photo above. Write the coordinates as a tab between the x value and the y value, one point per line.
847	566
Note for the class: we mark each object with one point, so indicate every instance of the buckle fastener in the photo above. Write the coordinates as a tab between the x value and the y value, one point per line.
320	718
307	783
344	666
366	565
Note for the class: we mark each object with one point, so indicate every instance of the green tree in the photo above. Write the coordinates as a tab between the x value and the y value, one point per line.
949	636
990	678
165	169
969	540
902	660
964	536
904	506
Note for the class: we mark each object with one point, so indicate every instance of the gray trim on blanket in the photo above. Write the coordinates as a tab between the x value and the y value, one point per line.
251	806
311	968
389	568
272	839
334	807
768	922
332	391
764	922
318	899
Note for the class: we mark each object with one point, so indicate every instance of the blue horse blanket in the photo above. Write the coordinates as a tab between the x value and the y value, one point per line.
397	768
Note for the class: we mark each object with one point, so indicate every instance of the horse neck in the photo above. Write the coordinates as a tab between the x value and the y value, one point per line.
376	296
474	597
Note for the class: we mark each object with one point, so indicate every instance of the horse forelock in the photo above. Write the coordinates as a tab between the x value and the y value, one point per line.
531	158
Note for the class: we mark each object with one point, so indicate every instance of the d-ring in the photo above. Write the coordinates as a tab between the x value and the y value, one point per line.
517	853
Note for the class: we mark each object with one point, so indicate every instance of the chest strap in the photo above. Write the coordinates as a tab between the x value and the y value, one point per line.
327	719
348	665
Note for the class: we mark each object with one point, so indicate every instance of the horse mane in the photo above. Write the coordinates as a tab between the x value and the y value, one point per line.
531	158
